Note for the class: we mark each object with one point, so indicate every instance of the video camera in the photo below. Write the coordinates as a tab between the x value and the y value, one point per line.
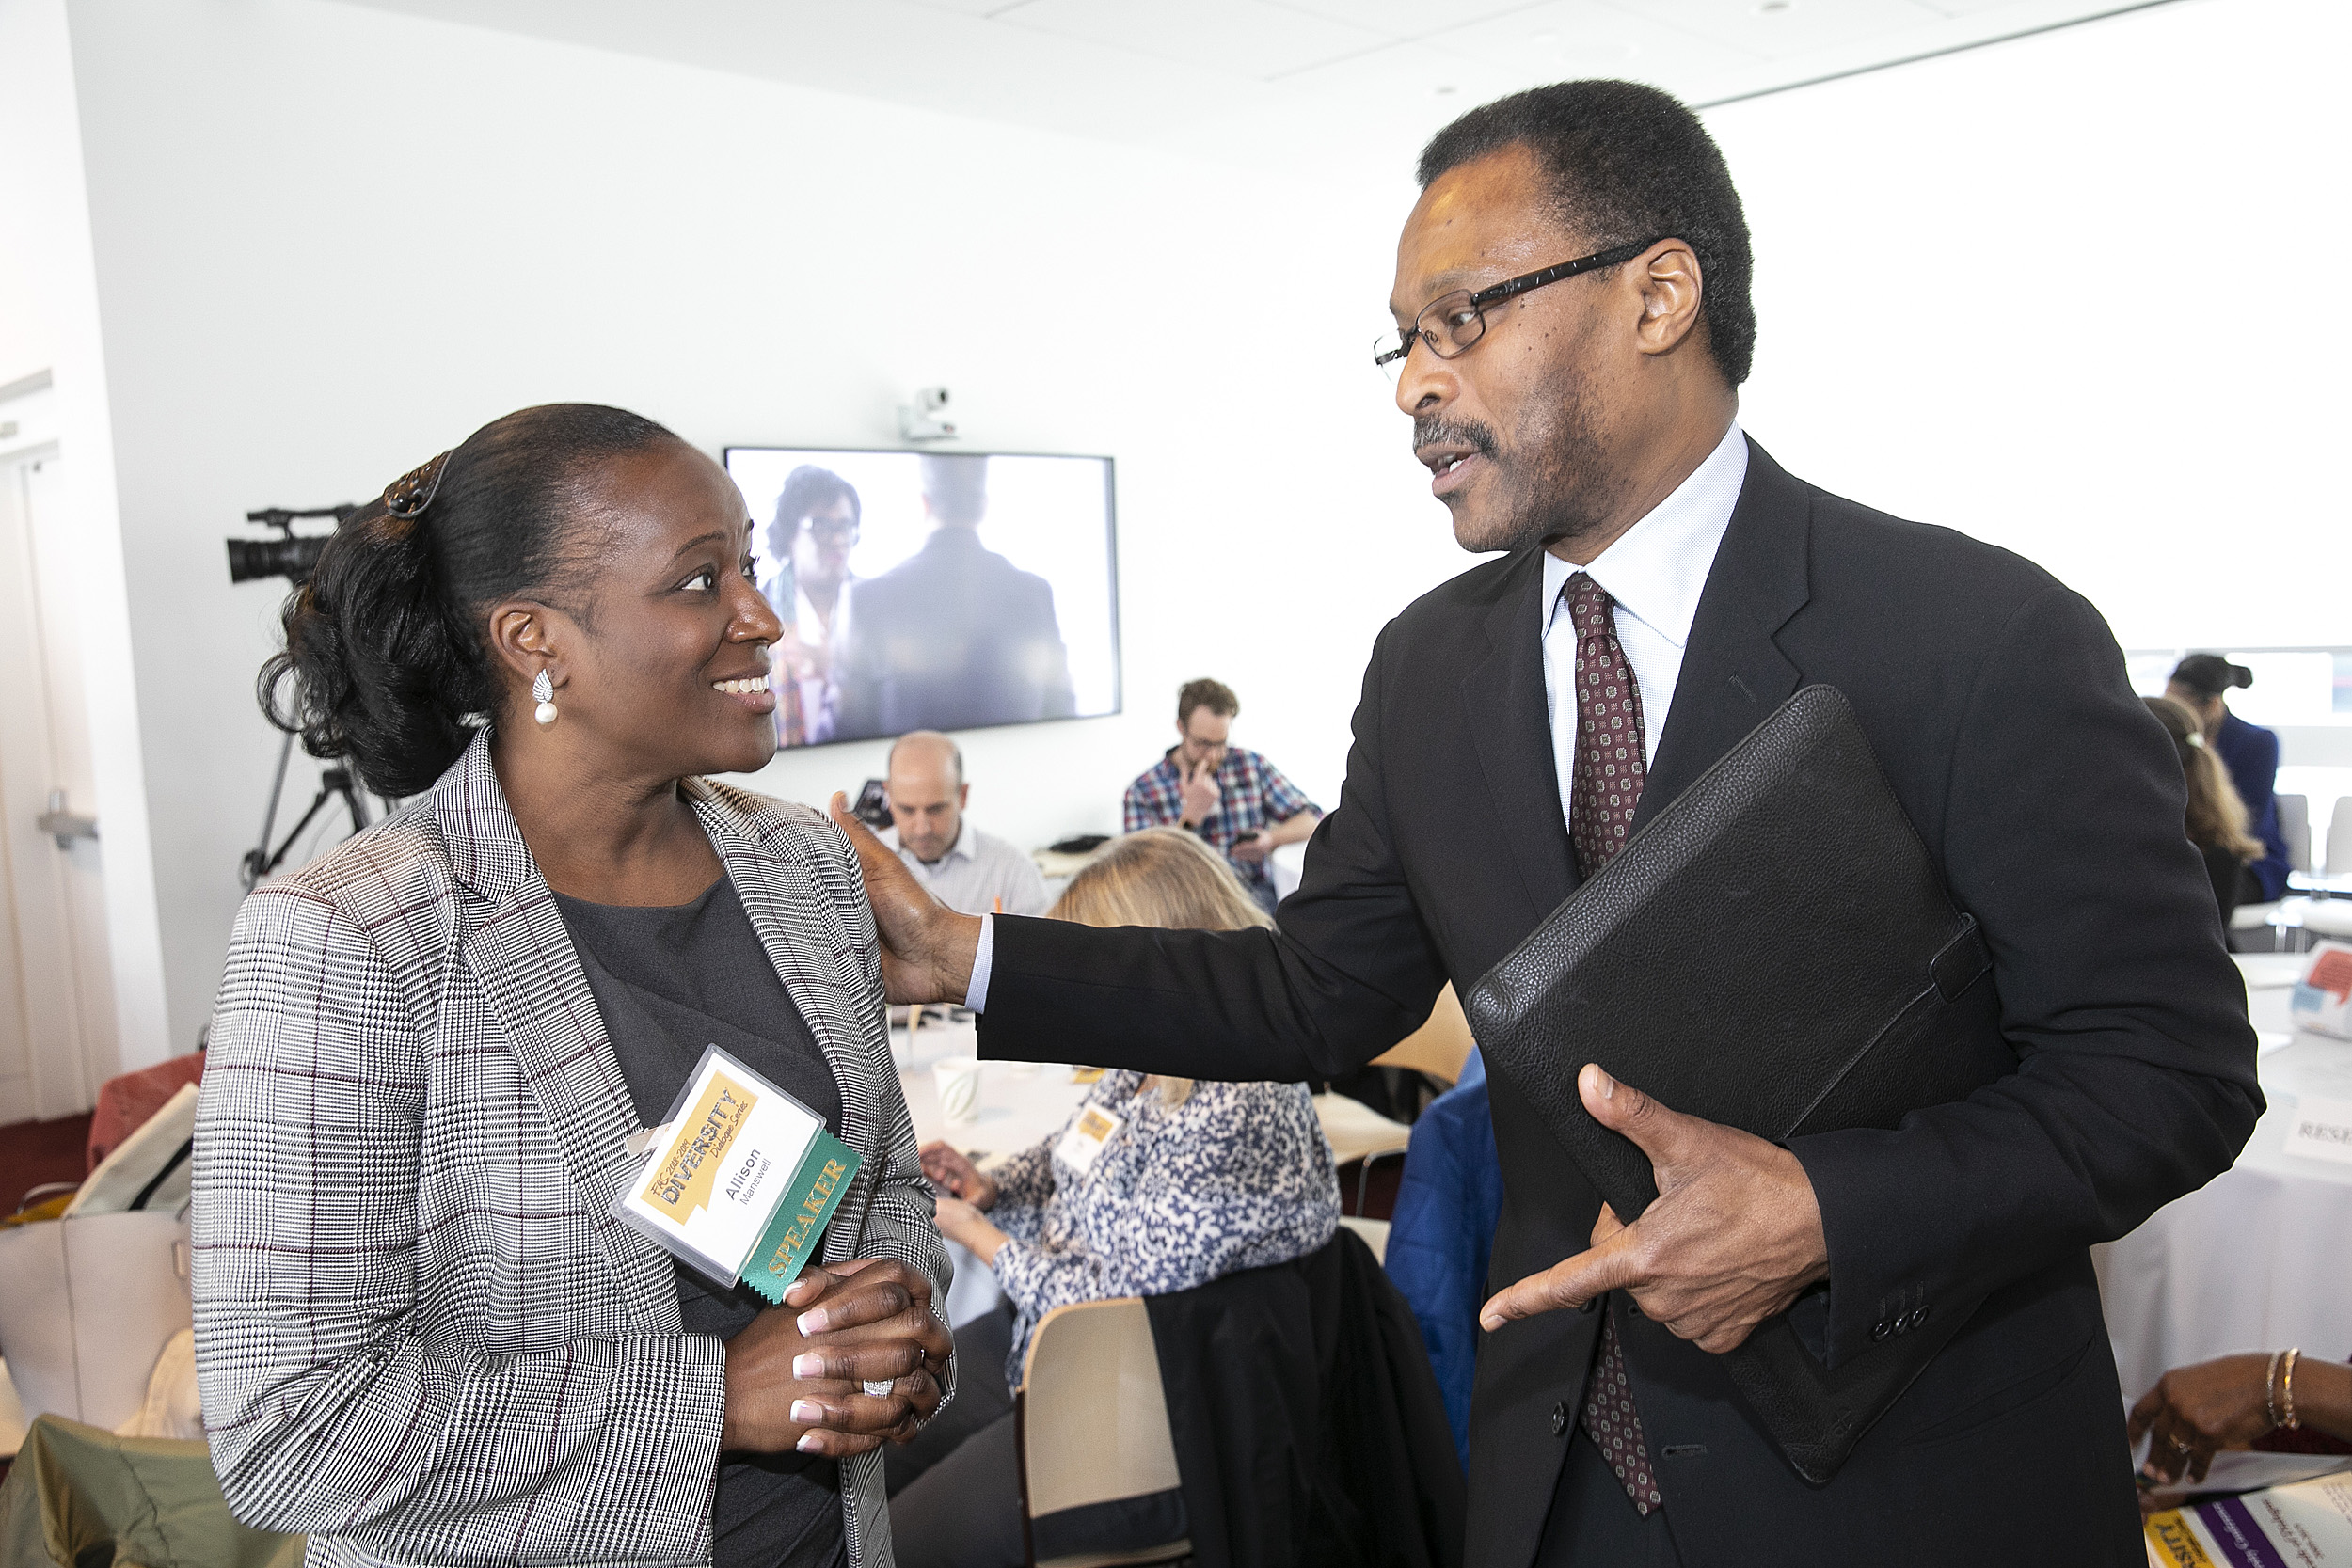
291	557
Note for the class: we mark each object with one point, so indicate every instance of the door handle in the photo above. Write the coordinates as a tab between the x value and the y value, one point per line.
63	825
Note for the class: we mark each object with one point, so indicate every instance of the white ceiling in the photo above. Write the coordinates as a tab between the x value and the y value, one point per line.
1286	82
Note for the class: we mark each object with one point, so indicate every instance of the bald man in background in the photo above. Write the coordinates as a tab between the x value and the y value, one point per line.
965	868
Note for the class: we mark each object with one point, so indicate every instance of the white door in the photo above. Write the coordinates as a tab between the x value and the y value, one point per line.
57	1040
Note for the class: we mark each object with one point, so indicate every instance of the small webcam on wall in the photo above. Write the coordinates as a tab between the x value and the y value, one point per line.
926	418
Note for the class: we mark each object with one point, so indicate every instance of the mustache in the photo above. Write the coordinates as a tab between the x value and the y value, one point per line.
1431	429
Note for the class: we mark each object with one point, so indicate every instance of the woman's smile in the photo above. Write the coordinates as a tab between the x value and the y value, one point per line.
751	692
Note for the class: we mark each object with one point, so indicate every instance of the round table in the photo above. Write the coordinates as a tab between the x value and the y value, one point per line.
2260	1256
1022	1104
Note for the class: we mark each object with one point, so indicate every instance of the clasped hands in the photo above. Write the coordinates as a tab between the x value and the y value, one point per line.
1734	1235
796	1374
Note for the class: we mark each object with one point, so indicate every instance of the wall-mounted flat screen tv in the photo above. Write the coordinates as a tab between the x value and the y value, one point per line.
933	591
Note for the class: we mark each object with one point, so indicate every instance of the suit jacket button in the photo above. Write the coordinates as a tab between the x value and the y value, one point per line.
1919	1317
1881	1329
1559	1418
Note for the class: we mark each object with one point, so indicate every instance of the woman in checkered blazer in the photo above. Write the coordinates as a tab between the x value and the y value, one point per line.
420	1334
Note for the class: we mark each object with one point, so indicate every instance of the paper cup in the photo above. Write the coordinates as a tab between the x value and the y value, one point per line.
958	1080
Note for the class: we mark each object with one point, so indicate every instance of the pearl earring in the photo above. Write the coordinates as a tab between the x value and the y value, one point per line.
543	690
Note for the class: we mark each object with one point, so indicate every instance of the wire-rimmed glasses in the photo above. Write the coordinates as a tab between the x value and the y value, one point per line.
1452	323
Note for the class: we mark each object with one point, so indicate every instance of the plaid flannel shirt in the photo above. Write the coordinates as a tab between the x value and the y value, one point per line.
1252	794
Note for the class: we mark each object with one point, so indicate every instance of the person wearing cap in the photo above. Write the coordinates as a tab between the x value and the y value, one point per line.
2249	753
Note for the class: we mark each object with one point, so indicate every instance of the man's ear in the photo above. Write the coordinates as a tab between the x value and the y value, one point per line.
1668	282
964	795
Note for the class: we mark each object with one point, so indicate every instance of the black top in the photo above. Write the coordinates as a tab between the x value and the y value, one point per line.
1352	1419
1997	702
670	981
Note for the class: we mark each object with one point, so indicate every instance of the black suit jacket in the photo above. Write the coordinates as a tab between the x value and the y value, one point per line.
953	637
1998	704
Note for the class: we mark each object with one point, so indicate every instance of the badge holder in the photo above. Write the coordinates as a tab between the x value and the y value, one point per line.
740	1180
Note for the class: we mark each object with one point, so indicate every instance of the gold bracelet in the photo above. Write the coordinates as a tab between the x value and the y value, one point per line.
2271	1388
2286	1389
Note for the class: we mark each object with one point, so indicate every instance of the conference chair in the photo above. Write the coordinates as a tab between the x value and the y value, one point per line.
1362	1136
1375	1232
1090	1423
1439	1047
2339	838
2295	825
2280	917
82	1495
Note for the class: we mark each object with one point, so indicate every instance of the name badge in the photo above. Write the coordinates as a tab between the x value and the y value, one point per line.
2321	1130
740	1180
1082	1143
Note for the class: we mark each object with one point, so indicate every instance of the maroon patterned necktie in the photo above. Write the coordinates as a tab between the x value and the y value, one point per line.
1609	768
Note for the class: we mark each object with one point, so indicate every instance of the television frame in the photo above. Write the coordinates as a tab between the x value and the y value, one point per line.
1110	527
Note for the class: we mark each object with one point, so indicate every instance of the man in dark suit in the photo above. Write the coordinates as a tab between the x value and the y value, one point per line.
1665	586
956	636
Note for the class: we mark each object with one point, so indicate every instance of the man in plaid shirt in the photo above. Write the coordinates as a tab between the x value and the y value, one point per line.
1232	798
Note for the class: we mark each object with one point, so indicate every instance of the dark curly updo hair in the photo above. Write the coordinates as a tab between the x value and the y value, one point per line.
387	661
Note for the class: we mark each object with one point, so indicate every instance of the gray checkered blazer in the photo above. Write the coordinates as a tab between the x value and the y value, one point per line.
420	1335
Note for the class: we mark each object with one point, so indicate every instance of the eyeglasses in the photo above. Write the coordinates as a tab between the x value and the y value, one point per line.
833	530
1452	323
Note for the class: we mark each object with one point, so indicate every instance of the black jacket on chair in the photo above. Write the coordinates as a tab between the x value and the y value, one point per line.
1310	1432
1996	701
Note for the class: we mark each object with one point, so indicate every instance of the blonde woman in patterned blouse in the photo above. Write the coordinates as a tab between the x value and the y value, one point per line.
1155	1185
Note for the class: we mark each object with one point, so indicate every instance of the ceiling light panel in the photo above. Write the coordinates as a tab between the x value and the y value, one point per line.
984	10
1777	29
2026	13
1249	39
1407	19
1568	39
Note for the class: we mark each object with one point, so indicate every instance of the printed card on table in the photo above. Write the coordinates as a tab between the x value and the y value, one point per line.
2308	1525
2322	1000
741	1180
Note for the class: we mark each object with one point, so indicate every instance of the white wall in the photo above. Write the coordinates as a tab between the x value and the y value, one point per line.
2077	295
2072	294
332	241
49	327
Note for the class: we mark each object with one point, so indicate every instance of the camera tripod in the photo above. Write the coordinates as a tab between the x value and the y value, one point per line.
335	783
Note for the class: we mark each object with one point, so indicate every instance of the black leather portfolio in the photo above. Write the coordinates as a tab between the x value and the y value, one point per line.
1775	951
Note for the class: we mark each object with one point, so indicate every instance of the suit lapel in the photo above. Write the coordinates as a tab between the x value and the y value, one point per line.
1511	723
819	962
521	954
1733	672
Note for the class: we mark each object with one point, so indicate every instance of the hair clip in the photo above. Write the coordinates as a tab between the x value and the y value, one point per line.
2197	739
412	492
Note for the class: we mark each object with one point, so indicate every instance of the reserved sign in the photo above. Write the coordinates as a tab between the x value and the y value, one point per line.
2322	1129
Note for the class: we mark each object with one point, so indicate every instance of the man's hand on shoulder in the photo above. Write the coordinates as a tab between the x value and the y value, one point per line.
927	948
1734	1235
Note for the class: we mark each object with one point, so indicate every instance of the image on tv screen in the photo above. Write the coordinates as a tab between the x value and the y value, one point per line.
933	591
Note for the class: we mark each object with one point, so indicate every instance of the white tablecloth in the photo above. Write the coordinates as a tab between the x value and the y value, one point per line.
2260	1256
1022	1104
